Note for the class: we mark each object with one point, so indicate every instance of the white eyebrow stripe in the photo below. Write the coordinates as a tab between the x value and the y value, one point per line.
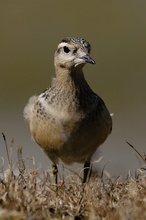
62	44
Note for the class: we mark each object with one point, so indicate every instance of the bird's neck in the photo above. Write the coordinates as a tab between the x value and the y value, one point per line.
71	85
70	78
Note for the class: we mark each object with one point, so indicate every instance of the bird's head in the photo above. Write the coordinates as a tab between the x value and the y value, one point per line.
73	52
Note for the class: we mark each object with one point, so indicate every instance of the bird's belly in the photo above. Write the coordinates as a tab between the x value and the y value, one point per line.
72	141
77	145
81	145
49	135
52	134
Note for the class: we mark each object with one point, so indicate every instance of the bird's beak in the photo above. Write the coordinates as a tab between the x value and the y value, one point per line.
88	59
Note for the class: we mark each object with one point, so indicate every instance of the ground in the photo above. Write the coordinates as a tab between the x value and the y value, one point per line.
29	193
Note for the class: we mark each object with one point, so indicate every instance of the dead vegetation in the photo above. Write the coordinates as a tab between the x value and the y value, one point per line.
30	194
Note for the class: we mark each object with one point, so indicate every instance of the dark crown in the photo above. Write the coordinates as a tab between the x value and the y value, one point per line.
78	40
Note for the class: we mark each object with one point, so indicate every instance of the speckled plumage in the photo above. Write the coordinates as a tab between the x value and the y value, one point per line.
68	120
78	40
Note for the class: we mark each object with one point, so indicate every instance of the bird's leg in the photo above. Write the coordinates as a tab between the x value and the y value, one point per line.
87	171
55	172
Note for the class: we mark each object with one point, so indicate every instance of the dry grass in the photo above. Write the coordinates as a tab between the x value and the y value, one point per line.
30	194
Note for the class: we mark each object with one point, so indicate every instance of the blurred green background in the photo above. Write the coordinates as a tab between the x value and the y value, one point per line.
29	34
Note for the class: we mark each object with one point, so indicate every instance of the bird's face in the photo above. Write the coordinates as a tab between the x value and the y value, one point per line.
70	54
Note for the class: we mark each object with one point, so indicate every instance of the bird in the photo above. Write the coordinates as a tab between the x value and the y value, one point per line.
68	120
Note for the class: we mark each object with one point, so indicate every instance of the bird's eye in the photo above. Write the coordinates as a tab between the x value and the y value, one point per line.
66	49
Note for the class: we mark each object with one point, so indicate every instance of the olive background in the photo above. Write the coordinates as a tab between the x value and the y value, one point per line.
29	34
